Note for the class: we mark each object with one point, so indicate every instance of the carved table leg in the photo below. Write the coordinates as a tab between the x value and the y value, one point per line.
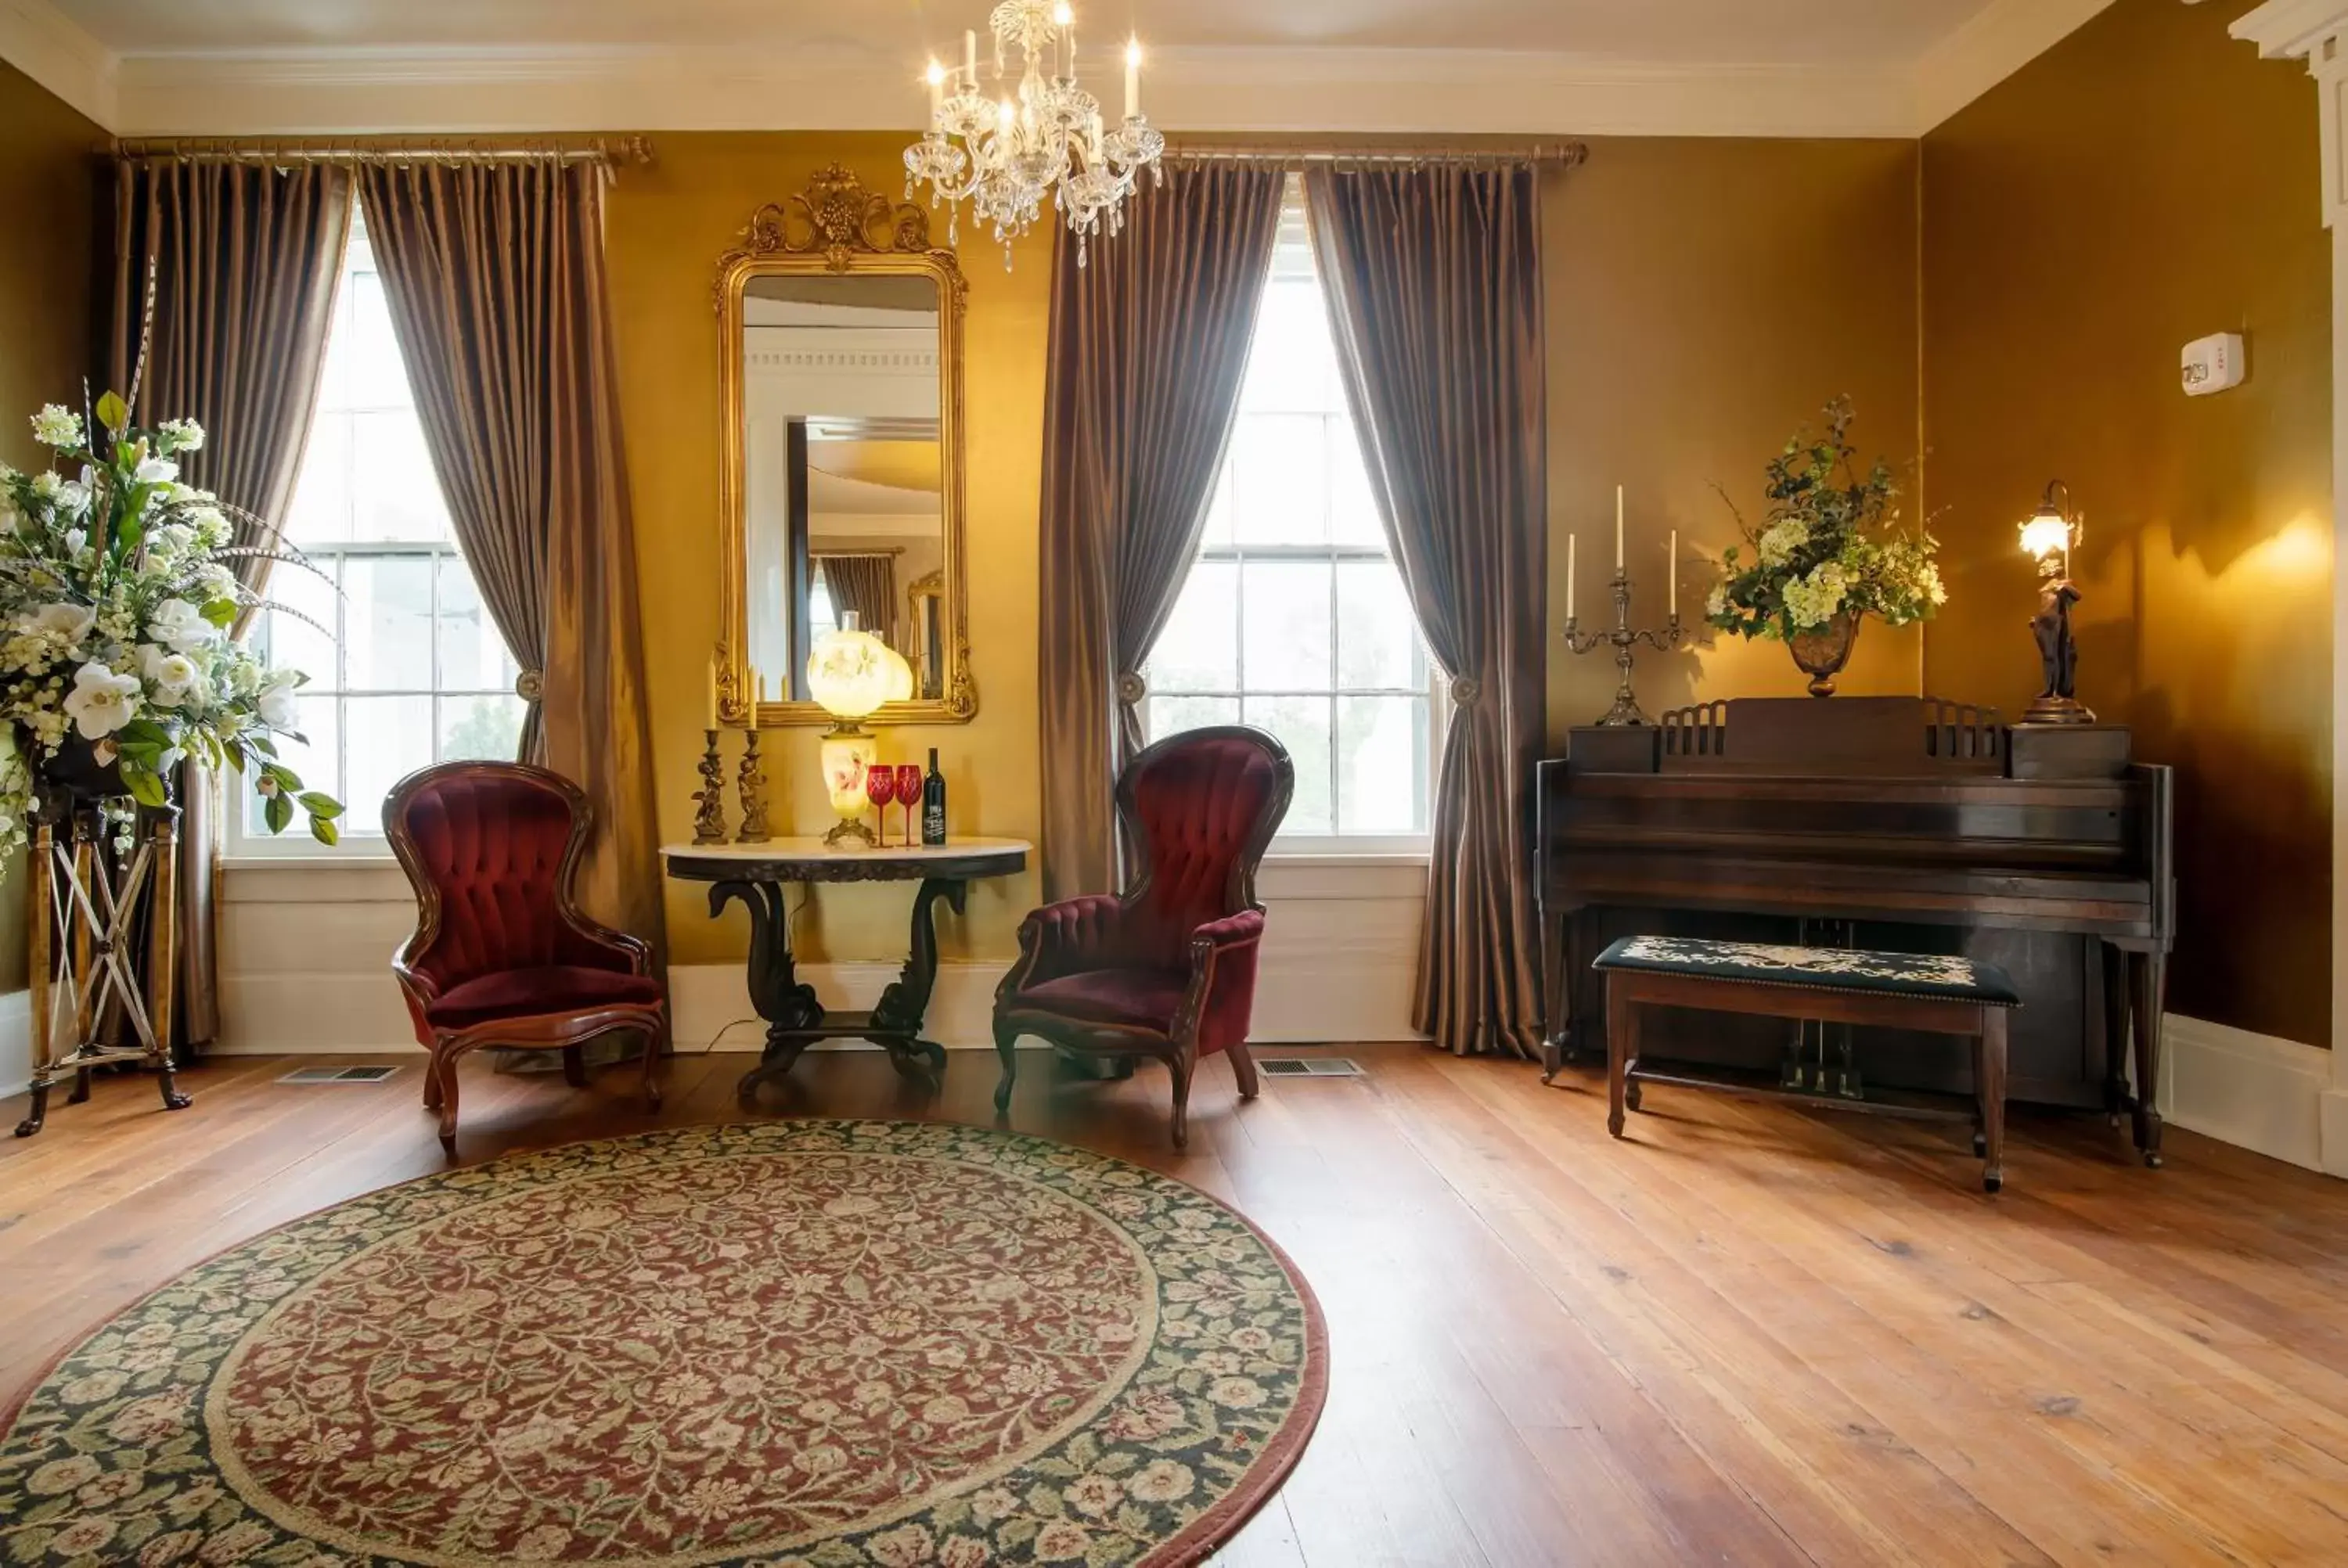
40	906
2148	973
162	957
897	1018
789	1007
2114	968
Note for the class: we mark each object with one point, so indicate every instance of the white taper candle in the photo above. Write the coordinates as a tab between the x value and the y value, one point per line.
1618	527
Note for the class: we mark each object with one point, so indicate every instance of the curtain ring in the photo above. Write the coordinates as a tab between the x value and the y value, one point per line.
1465	691
530	685
1131	689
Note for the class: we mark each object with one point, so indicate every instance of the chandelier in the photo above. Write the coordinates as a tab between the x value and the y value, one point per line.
1004	151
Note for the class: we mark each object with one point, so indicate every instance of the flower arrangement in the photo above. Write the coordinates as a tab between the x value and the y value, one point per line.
1829	547
116	601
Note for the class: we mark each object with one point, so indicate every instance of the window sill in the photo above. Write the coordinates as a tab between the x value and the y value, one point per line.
1346	859
336	878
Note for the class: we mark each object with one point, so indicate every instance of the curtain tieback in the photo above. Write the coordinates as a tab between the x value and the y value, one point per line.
1465	691
530	685
1131	689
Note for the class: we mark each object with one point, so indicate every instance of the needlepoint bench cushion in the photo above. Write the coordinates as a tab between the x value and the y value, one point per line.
1816	968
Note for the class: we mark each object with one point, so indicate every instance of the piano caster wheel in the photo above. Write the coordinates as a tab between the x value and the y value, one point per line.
1980	1146
1993	1184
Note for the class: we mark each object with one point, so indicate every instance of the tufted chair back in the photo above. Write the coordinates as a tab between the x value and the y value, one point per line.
490	848
1199	809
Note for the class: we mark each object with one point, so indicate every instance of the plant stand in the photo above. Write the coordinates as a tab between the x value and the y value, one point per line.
84	934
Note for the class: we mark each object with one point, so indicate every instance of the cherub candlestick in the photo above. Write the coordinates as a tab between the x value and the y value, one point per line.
709	820
753	782
1622	638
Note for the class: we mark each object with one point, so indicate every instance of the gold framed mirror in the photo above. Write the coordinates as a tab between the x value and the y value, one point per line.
840	332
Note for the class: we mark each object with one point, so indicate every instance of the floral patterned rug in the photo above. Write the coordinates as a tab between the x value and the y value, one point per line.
797	1343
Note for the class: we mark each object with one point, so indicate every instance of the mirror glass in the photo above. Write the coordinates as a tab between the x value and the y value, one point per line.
844	508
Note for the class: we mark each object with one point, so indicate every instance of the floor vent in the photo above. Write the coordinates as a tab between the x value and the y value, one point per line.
1309	1067
338	1075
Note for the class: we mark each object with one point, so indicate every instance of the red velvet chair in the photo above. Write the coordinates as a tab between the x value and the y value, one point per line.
502	956
1168	970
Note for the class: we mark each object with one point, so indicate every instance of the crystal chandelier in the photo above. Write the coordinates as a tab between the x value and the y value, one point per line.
1004	152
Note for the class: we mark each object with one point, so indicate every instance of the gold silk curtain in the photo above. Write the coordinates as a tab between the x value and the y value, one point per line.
495	276
244	260
1149	343
1433	276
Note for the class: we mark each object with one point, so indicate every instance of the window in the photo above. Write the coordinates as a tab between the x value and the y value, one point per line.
405	666
1294	619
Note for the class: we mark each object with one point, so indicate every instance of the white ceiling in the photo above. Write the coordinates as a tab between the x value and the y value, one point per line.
1526	67
1729	32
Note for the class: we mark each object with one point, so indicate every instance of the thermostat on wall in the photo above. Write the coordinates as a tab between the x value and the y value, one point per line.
2213	364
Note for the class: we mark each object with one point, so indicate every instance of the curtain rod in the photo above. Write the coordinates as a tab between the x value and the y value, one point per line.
1559	155
610	153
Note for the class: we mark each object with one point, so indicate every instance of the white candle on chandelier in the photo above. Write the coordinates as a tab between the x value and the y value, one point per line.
1132	77
1066	20
970	57
937	79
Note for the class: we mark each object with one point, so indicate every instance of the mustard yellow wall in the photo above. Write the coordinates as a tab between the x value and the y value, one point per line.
667	226
2146	182
1705	297
46	183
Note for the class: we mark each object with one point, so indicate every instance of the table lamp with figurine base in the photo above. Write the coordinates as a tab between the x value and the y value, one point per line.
2050	536
850	673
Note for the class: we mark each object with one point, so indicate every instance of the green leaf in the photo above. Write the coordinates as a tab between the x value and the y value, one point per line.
112	412
277	811
284	778
324	830
318	804
220	612
146	786
233	756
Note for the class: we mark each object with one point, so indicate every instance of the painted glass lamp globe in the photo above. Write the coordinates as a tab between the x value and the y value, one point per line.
850	673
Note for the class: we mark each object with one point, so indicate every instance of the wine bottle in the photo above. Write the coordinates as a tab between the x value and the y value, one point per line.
933	803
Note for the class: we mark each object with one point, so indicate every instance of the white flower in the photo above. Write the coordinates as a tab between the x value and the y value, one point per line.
171	540
75	539
101	700
179	625
185	435
276	702
155	471
48	486
170	676
1778	545
57	426
58	627
1716	604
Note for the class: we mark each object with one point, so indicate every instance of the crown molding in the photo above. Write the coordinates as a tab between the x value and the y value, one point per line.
2290	29
1992	45
1239	90
49	47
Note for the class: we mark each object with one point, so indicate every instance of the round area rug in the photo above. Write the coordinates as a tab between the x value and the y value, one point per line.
794	1343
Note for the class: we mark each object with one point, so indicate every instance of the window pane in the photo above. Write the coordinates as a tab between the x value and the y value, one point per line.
1377	639
1302	726
1292	364
1219	511
487	727
395	498
1287	605
1279	488
1172	715
1199	648
1382	764
387	624
473	656
1353	505
321	512
316	758
376	376
299	644
390	737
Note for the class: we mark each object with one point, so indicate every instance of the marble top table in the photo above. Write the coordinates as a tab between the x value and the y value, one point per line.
758	874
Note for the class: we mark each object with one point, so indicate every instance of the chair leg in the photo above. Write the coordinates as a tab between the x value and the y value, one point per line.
447	1063
656	1046
1006	1046
432	1081
1622	1045
1243	1068
575	1067
1178	1068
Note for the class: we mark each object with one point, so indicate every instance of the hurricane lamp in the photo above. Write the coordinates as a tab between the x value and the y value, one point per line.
850	673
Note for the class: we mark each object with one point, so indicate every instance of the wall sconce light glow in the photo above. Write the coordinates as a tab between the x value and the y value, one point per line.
1062	16
2048	534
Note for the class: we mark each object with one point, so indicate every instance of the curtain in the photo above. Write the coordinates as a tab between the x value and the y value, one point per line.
1433	276
866	585
244	260
494	275
1149	341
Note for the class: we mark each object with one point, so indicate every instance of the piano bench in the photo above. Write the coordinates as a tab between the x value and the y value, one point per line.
1934	994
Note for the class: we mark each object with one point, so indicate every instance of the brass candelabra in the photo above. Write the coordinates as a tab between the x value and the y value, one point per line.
709	820
1622	638
753	782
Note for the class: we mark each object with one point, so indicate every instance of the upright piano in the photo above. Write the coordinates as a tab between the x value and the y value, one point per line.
1897	822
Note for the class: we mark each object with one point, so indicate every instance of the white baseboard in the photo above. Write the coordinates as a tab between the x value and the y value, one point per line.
15	1042
2274	1097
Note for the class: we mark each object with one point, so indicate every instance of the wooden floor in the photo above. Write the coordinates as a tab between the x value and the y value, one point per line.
1748	1335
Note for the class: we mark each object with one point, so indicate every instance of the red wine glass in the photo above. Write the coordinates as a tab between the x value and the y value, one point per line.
881	788
908	795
